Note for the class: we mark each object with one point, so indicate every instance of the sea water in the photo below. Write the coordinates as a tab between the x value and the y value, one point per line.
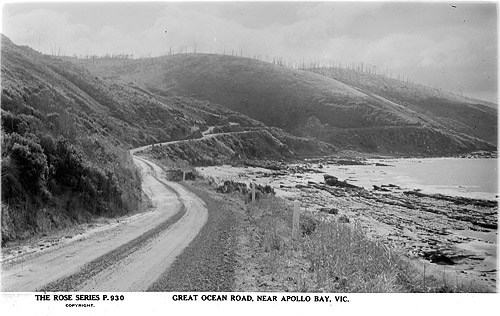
472	178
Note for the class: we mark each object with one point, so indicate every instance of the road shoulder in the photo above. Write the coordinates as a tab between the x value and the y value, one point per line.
208	263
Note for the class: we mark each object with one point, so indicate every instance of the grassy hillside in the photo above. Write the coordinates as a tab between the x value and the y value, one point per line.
355	116
443	109
66	134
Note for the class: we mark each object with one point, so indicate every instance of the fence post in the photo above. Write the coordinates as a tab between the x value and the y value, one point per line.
183	175
296	218
253	192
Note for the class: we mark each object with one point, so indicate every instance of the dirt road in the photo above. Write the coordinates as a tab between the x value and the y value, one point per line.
128	256
205	136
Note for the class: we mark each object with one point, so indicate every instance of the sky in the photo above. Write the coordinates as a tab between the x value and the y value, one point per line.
450	45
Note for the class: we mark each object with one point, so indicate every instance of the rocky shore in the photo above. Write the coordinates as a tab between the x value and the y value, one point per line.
453	236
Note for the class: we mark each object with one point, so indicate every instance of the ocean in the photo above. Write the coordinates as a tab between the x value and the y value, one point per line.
472	178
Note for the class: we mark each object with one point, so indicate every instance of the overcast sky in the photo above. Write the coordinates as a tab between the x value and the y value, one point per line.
443	44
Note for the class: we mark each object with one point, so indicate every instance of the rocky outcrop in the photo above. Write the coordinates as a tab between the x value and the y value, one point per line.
334	181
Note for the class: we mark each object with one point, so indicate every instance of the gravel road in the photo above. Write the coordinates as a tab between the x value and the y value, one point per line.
129	256
208	264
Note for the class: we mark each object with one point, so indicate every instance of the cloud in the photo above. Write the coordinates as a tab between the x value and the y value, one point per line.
416	40
42	29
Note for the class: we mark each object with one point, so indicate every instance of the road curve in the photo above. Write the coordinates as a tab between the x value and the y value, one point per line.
205	136
128	256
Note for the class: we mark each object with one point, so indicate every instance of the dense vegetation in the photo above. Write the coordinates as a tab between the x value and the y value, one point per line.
52	178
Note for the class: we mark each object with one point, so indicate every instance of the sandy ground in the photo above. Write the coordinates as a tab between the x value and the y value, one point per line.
144	244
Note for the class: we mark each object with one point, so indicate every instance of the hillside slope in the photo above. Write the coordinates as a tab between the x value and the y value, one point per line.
66	134
444	109
315	105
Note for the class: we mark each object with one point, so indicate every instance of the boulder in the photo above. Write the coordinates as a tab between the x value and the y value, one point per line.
334	182
377	188
330	180
440	259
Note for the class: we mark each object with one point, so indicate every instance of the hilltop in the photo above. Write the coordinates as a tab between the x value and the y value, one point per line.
362	114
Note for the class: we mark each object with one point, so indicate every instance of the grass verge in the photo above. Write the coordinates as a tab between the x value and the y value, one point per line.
332	255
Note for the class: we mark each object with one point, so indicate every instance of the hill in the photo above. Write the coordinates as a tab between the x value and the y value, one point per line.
361	114
66	134
444	109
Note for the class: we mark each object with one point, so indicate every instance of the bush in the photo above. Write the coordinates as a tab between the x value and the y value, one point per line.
28	157
68	163
36	169
11	184
19	123
232	186
10	122
307	225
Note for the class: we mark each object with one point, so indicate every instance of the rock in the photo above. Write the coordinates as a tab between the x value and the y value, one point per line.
377	188
330	180
343	219
302	186
439	258
334	181
455	199
329	210
390	185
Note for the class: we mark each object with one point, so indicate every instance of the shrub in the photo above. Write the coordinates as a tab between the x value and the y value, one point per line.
230	186
307	225
30	160
10	122
11	184
68	163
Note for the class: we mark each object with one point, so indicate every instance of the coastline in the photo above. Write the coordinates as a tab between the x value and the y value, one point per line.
445	235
